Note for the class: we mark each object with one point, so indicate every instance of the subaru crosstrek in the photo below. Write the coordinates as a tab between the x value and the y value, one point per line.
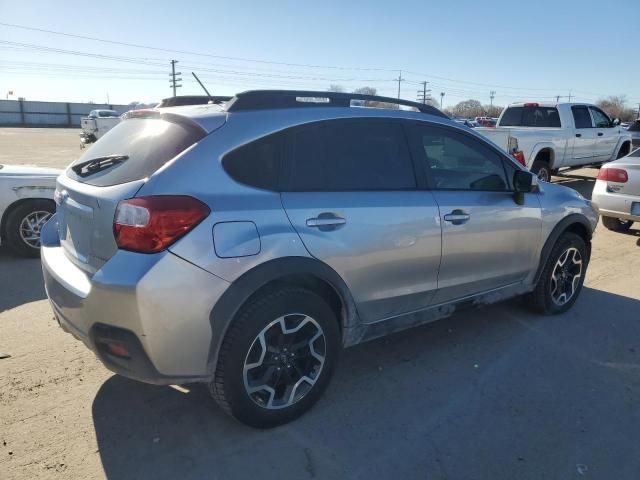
245	244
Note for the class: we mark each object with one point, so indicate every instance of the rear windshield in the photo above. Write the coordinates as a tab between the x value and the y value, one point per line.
107	113
530	117
145	144
634	127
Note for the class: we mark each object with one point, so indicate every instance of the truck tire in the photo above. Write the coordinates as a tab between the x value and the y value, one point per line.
23	225
277	357
616	224
542	170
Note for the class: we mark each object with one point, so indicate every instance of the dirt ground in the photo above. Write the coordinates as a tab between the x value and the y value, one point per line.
497	393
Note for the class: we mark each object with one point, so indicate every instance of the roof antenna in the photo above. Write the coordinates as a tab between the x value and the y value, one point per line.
211	99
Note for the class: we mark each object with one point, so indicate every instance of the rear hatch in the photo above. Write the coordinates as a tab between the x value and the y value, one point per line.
113	169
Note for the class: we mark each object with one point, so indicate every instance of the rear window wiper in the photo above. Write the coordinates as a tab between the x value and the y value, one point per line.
89	167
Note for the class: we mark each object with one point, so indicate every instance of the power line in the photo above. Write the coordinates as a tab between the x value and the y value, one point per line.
187	52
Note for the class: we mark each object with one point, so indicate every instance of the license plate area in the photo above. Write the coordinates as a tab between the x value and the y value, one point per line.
75	229
635	208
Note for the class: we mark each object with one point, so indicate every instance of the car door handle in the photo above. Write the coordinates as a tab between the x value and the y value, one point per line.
326	221
457	217
600	134
578	135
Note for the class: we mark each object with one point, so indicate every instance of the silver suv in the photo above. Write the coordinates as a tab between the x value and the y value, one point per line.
245	244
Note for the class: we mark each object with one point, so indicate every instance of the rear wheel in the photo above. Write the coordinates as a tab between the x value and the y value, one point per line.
24	224
542	170
616	224
277	357
562	277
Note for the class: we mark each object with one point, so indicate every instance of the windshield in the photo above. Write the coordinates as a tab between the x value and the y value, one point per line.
108	113
634	127
146	143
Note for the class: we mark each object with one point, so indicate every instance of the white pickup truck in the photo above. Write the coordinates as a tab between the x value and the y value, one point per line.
96	124
548	136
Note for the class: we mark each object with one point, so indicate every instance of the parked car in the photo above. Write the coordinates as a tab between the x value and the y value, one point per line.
466	123
245	245
616	193
26	203
634	130
550	136
96	124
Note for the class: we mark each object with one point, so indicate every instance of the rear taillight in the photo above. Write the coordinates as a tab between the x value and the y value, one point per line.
519	156
617	175
151	224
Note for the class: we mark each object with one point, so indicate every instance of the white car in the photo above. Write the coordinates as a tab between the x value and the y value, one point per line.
26	203
616	193
545	137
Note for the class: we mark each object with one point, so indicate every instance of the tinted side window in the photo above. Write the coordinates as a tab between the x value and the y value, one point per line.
350	155
256	164
581	117
456	162
600	120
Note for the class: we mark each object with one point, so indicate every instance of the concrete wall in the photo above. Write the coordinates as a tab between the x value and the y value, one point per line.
23	113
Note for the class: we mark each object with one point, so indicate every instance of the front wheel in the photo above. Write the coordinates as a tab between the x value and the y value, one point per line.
277	358
616	224
562	276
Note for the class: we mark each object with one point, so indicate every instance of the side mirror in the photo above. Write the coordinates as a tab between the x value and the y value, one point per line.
615	122
523	182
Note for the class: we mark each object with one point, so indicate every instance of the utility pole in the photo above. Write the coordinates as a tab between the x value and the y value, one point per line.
638	117
492	95
441	97
422	94
399	80
570	96
557	98
174	81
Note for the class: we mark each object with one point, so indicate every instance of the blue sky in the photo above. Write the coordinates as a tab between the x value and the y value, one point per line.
523	50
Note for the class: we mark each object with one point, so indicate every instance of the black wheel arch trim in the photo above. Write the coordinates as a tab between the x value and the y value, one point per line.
244	287
561	227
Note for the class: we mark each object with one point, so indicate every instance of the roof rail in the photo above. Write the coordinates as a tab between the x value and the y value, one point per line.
268	99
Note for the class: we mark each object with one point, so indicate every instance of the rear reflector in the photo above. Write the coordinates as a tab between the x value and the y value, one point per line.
151	224
519	156
118	350
617	175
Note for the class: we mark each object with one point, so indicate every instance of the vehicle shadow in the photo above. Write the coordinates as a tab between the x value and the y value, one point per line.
581	183
20	280
479	395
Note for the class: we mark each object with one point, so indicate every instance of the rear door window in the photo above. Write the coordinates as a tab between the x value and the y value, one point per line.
350	155
581	117
143	144
531	117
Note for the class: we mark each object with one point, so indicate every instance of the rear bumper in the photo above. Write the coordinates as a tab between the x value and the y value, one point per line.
157	306
616	205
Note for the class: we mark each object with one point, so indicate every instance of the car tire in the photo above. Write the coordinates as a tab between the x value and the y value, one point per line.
542	170
255	345
559	275
616	224
23	225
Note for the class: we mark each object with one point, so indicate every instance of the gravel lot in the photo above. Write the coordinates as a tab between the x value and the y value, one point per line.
497	393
